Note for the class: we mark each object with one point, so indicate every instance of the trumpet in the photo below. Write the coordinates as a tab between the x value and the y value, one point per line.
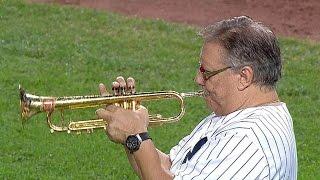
31	104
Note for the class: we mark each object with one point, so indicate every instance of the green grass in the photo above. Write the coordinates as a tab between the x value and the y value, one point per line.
64	51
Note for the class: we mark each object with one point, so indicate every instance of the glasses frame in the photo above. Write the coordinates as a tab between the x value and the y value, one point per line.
208	74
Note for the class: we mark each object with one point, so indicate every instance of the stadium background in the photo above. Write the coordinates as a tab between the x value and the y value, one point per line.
288	18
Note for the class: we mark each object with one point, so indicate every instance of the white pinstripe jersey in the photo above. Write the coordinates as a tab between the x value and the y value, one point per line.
253	143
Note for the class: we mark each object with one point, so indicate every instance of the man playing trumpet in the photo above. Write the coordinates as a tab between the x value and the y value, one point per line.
249	135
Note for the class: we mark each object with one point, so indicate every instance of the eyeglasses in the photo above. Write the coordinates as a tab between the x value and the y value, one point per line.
208	74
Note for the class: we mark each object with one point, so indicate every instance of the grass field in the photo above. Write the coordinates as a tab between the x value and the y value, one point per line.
64	51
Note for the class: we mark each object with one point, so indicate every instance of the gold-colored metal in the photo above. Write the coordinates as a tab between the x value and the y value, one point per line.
32	104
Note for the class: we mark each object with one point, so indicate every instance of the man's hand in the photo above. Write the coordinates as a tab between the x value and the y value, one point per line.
120	123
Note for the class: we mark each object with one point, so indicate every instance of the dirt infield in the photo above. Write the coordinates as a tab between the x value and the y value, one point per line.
297	18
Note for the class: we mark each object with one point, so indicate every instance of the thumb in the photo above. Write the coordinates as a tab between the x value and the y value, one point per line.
103	90
142	111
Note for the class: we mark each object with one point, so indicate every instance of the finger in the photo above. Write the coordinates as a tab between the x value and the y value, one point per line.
112	108
143	114
103	90
142	111
108	134
122	84
131	85
111	134
103	114
115	88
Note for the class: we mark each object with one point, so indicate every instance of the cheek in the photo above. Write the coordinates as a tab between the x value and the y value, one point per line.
218	90
213	87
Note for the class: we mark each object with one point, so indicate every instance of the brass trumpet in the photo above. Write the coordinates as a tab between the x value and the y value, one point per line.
32	104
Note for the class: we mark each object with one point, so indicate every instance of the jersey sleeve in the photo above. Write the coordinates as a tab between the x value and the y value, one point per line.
229	156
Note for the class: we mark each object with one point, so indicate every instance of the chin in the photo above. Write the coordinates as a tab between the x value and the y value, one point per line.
214	106
211	105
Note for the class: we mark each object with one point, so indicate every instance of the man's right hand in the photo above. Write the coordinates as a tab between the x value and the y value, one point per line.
122	122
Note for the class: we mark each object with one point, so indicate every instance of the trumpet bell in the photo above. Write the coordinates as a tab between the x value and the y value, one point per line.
25	105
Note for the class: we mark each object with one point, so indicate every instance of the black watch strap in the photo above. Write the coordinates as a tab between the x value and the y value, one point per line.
144	136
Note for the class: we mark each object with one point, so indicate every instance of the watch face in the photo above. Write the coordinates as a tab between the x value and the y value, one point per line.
132	143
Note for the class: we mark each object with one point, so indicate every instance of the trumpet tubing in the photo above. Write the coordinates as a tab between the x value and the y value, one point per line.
32	104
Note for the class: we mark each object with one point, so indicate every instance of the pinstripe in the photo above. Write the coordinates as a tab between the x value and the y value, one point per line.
279	121
237	157
287	114
284	129
266	176
245	163
222	162
202	169
290	138
213	149
253	167
287	124
225	146
232	117
261	172
262	149
211	120
275	175
215	129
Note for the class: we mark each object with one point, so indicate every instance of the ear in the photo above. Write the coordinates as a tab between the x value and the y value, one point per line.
245	78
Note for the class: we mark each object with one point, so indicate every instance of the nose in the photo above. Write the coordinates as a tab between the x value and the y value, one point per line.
199	79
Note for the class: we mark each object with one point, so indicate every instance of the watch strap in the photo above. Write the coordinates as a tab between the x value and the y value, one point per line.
143	136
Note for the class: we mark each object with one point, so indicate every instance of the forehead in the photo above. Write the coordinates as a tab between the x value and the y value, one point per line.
212	54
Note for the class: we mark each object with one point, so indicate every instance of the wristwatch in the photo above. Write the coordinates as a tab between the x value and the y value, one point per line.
133	141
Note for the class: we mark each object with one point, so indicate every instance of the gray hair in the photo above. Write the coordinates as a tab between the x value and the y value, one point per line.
248	43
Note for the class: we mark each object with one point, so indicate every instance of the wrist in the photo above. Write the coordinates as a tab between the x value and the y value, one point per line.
139	130
133	142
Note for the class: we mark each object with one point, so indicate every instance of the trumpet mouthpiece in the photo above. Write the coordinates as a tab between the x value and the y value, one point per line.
192	94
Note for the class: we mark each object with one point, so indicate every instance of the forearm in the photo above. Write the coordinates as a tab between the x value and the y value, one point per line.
133	163
164	161
151	163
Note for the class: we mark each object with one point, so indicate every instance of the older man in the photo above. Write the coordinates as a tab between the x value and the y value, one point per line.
249	135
